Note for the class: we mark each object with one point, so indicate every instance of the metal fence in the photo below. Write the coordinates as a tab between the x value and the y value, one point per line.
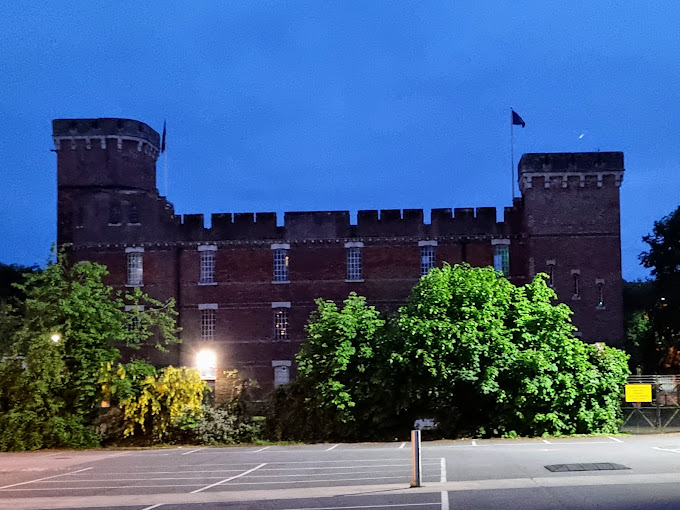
662	414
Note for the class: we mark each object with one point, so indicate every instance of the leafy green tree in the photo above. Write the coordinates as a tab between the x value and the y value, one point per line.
70	325
484	357
332	394
470	350
663	258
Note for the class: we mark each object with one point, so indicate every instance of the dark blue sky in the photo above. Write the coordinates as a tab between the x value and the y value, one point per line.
280	105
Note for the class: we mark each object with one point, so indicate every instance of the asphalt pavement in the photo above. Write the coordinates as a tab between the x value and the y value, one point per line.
604	472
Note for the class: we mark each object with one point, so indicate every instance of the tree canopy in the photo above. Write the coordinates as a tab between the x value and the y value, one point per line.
70	325
470	350
663	258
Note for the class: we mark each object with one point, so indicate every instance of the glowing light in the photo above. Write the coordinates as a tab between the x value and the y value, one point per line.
55	337
206	362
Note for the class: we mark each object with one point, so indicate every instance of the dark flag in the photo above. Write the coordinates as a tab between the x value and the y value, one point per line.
516	121
163	139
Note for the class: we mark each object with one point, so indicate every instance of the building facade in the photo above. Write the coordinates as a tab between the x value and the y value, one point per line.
245	287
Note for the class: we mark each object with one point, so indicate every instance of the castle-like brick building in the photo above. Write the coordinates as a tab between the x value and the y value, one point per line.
245	287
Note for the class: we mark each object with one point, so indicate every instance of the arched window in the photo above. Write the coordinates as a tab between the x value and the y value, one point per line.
133	214
114	214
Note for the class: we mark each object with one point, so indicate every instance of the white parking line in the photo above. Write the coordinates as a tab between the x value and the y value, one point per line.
360	507
334	446
262	449
45	478
192	451
672	450
474	442
616	439
152	506
545	441
402	445
442	479
229	479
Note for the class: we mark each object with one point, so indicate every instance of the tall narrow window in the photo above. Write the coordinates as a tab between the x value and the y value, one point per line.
135	268
600	292
281	265
114	214
207	272
550	270
354	269
133	214
281	324
207	321
576	283
427	261
501	256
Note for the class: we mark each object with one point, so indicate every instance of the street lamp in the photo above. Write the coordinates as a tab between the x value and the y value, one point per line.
206	362
55	337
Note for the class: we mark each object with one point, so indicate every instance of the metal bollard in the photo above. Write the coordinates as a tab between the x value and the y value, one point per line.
416	468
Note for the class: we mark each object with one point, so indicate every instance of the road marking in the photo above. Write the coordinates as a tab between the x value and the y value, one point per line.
262	449
545	441
152	506
334	446
45	478
359	507
677	450
442	479
402	445
187	453
474	442
262	482
229	479
616	439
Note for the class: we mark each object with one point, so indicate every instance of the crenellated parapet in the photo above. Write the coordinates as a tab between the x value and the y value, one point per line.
93	133
570	170
325	225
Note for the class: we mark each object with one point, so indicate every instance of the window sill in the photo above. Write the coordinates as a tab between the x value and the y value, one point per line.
276	282
206	284
134	285
355	281
114	224
134	224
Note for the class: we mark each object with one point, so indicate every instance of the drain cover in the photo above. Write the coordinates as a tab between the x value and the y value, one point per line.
592	466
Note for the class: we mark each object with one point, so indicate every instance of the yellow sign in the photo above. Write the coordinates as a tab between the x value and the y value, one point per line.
638	392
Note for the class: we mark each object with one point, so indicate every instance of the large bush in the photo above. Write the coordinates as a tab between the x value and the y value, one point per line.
469	349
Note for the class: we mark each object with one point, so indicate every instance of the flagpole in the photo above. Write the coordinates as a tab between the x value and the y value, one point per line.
165	172
512	157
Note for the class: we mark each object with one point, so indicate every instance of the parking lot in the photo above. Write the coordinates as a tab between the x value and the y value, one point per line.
456	474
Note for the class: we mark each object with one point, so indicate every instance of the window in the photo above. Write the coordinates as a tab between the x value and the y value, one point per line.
426	256
550	270
501	255
281	372
207	321
576	281
281	324
280	262
600	292
135	269
133	318
354	272
207	254
133	214
114	214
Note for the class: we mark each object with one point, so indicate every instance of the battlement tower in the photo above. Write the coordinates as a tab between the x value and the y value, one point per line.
572	221
102	165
